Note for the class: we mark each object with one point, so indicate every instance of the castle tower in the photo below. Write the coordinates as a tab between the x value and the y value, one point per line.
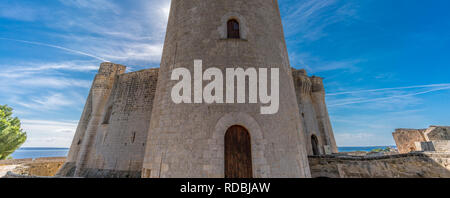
225	140
314	114
323	118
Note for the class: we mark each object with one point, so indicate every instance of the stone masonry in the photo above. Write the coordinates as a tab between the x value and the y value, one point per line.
410	165
130	127
435	138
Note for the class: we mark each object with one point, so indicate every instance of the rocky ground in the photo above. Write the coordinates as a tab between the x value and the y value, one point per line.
30	167
6	168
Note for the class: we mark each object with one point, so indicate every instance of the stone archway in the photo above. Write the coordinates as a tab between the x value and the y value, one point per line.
216	168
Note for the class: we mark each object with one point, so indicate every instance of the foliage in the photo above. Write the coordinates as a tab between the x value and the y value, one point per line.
11	134
380	150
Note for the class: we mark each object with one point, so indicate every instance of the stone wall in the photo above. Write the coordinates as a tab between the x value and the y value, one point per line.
111	137
406	138
437	133
435	145
119	145
435	138
92	114
412	165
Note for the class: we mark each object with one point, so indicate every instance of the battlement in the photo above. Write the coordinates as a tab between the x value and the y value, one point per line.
299	72
307	84
317	84
151	72
110	69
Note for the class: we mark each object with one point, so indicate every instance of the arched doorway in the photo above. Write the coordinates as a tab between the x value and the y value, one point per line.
238	155
315	145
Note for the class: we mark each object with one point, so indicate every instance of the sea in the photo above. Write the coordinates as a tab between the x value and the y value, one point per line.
363	148
32	152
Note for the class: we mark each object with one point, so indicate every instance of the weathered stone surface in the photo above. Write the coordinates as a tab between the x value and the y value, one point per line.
112	133
435	138
187	140
437	133
412	165
406	138
4	169
67	170
310	94
435	145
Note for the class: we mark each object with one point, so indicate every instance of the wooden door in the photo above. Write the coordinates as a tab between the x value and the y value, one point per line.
238	155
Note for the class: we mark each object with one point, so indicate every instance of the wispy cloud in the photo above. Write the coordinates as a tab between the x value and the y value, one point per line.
49	133
55	82
57	47
122	36
51	75
362	128
387	89
17	12
384	94
314	64
367	117
126	33
79	66
92	4
53	101
309	18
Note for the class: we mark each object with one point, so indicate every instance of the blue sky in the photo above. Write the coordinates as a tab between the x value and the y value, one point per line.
386	63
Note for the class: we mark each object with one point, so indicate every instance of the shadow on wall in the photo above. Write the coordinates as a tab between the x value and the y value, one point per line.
411	165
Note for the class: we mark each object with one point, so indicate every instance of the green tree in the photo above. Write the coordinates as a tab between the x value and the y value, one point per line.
11	134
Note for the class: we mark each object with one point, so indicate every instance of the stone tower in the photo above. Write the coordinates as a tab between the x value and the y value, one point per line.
314	114
189	140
